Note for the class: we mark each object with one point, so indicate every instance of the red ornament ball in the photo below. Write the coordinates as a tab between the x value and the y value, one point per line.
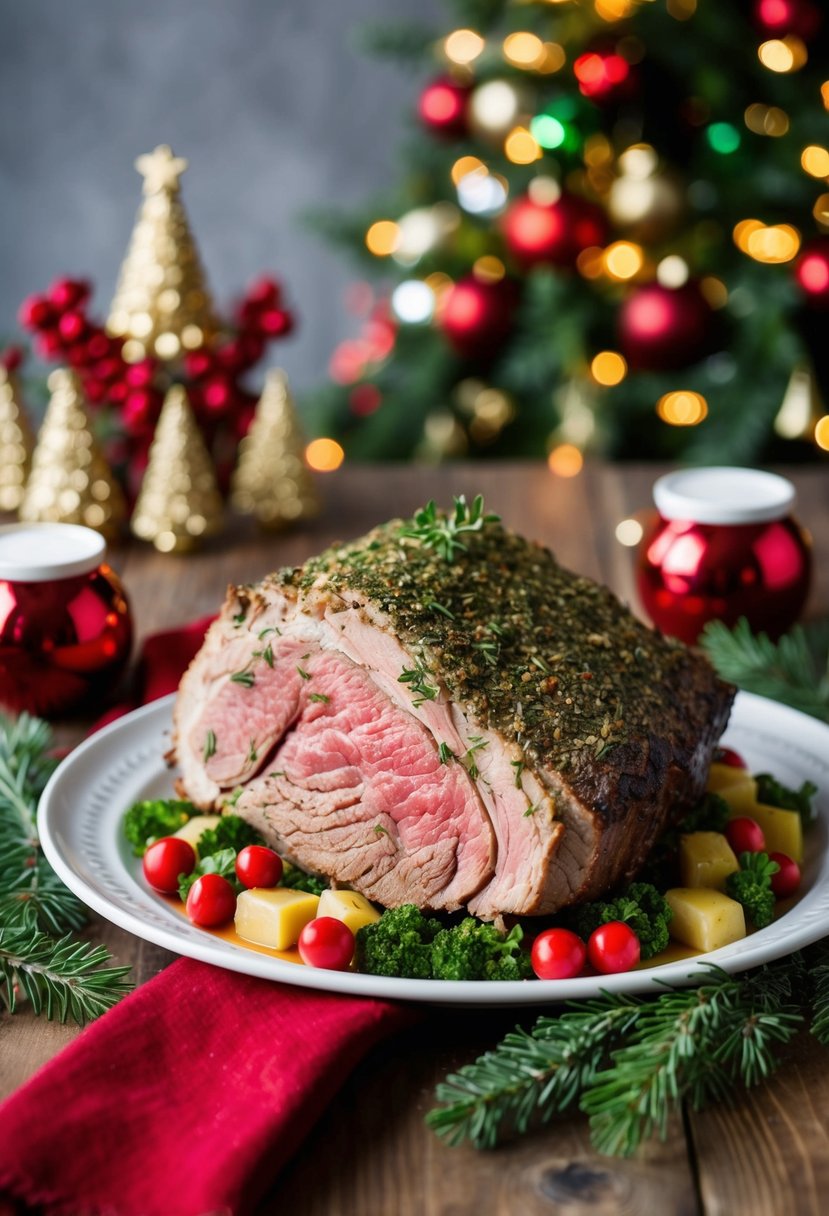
69	293
36	313
604	76
476	317
781	17
442	108
663	328
812	272
555	233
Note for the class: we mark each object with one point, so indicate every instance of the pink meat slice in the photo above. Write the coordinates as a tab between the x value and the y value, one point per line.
341	781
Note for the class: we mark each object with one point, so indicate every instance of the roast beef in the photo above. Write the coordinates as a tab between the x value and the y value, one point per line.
474	727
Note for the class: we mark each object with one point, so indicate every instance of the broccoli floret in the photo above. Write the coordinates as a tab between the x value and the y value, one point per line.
147	821
473	950
751	887
773	793
222	862
641	906
408	944
230	832
399	943
710	814
299	880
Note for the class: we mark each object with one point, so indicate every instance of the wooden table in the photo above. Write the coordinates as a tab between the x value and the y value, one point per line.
371	1154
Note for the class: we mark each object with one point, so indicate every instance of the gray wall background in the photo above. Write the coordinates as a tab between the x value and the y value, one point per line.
270	100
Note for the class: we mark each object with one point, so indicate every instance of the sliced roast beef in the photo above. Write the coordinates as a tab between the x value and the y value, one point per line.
465	727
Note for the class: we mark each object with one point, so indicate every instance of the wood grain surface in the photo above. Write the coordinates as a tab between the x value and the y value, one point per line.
371	1154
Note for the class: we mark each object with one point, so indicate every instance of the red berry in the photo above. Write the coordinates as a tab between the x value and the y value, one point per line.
275	321
230	357
727	755
108	368
11	358
217	394
165	859
264	290
35	312
68	293
258	866
98	346
326	942
211	901
613	947
787	879
72	326
139	375
49	344
117	392
198	363
745	835
94	390
558	954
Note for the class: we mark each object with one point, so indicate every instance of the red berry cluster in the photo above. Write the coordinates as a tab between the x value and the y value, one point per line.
65	332
214	372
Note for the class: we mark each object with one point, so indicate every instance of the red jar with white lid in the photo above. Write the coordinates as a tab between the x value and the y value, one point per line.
725	544
65	623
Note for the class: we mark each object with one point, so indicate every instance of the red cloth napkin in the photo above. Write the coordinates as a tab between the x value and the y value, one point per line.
188	1097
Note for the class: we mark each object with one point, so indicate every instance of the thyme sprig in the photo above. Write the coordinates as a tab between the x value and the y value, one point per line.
417	678
39	958
630	1062
440	530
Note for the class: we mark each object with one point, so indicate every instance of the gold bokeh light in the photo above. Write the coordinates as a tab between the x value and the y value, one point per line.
463	46
383	238
608	367
565	460
324	455
682	408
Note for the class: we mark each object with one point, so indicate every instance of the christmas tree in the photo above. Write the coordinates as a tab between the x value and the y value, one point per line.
611	234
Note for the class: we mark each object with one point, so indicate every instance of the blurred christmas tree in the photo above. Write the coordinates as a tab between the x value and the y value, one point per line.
611	234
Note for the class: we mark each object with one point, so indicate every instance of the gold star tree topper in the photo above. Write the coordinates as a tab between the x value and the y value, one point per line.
162	306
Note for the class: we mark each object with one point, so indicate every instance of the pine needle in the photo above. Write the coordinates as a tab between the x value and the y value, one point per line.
63	979
627	1063
794	670
39	959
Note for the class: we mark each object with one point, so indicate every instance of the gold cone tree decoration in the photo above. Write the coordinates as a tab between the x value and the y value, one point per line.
162	305
271	480
70	481
179	502
16	443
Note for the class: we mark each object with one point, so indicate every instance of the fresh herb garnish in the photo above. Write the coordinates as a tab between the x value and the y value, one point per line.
417	678
440	531
319	696
304	674
445	753
209	745
245	678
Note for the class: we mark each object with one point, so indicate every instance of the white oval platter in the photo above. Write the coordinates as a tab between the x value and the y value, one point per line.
80	825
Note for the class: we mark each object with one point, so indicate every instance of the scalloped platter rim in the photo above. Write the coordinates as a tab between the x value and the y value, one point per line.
81	810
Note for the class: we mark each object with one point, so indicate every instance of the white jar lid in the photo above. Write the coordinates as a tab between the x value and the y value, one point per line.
723	496
37	553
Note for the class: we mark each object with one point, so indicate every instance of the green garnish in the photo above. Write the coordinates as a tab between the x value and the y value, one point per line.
439	531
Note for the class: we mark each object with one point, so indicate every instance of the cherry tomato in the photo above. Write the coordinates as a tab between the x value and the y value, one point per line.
165	859
257	866
211	901
727	755
745	835
613	947
787	879
558	954
326	942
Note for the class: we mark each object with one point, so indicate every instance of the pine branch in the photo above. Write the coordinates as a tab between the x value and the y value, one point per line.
627	1063
794	670
531	1075
819	979
62	978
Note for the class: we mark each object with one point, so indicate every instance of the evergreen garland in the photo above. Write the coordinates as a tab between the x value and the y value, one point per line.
39	958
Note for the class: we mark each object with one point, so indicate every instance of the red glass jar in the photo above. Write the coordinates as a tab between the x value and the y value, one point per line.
65	624
725	545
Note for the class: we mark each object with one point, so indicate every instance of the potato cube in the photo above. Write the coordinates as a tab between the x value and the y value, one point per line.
705	919
705	860
274	916
740	796
350	907
720	776
783	830
195	827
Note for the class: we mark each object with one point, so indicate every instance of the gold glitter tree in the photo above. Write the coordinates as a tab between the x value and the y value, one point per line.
179	501
272	481
162	305
70	481
16	443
